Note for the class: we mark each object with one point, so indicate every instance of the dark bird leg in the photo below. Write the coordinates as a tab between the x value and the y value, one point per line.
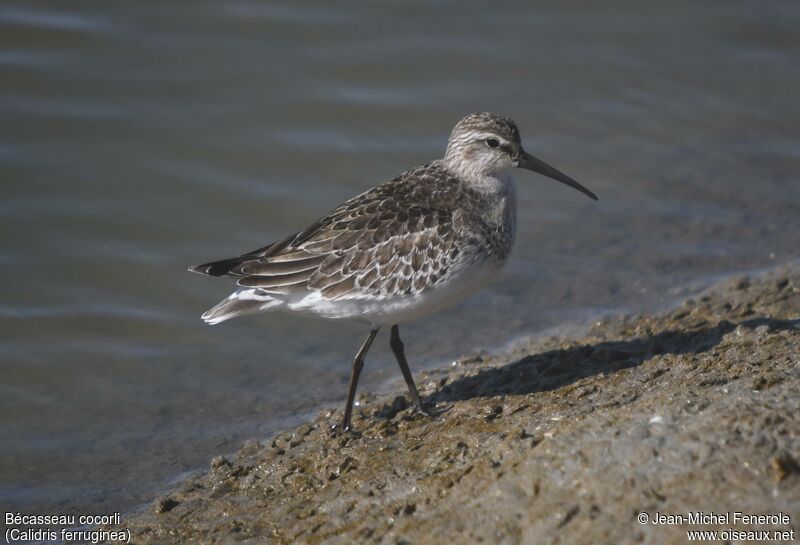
399	353
358	364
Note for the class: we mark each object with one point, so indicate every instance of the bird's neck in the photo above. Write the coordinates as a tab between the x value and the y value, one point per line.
498	201
499	193
500	184
498	208
502	193
492	183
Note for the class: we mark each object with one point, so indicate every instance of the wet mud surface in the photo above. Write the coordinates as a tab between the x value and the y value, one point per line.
565	440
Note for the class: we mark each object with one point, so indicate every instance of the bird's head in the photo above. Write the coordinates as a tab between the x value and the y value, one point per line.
488	144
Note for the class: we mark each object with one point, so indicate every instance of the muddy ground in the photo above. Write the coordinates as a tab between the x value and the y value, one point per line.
567	441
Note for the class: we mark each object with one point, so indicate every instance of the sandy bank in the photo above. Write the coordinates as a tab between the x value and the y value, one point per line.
568	441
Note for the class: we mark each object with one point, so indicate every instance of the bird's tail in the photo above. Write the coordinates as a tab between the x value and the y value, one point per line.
240	302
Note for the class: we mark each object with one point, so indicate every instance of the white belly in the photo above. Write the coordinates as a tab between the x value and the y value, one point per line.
390	310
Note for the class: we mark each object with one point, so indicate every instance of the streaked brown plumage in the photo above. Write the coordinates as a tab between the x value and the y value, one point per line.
401	237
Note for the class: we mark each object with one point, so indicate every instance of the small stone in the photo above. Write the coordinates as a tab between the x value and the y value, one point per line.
304	430
218	462
165	505
747	310
566	517
742	283
386	428
494	413
348	464
478	358
250	447
783	466
682	313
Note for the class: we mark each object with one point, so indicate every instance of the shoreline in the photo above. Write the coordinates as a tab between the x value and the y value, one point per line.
566	437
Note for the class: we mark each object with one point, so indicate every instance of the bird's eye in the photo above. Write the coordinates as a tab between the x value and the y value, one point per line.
492	142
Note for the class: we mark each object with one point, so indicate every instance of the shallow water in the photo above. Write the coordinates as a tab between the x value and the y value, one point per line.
137	139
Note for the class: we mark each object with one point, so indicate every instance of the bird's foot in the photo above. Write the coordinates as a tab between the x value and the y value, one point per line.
422	411
340	430
419	406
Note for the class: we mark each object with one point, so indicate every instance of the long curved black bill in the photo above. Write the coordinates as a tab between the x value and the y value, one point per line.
528	161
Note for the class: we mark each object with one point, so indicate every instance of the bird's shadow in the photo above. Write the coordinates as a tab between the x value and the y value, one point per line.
557	368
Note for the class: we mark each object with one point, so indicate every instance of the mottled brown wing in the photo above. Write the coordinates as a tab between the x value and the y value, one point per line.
398	238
